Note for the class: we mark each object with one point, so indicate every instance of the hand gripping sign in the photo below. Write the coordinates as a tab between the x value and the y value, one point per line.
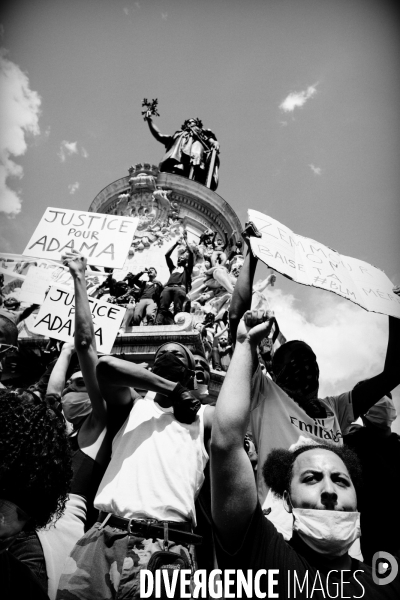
308	262
103	239
56	318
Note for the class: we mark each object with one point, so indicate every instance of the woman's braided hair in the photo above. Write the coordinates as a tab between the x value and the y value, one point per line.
35	456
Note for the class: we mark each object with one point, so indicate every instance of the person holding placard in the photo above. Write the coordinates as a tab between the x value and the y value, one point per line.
287	407
154	476
85	411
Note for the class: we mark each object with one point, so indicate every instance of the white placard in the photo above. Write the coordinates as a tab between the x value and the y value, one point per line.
103	239
56	318
308	262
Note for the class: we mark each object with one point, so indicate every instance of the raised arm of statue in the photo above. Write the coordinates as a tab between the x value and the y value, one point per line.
160	137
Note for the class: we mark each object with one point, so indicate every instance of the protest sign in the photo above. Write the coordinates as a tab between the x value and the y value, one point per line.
39	278
308	262
56	318
103	239
36	284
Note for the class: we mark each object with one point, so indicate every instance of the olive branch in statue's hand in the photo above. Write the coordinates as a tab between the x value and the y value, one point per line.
151	108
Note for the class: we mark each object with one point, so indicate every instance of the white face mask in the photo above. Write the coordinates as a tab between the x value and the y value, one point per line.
329	532
76	405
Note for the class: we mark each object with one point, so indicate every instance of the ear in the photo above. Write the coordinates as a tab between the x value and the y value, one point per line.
287	502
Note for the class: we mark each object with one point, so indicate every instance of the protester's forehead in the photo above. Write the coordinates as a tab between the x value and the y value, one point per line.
75	376
173	349
296	349
318	459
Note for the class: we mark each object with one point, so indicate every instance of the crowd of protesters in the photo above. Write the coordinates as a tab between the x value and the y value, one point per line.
104	463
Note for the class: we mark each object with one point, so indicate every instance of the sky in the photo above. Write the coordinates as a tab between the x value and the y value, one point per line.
303	96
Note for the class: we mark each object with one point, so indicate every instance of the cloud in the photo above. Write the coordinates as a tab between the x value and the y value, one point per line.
126	10
66	149
74	187
298	99
164	16
19	117
314	169
70	148
350	343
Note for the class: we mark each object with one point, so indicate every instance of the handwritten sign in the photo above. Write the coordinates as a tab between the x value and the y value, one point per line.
308	262
56	318
103	239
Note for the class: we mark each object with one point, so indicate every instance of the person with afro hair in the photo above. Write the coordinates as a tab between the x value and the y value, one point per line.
318	485
35	474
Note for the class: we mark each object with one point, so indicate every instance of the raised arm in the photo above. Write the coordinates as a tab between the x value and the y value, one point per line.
242	294
26	312
190	258
155	131
368	392
170	264
85	343
58	375
116	377
233	488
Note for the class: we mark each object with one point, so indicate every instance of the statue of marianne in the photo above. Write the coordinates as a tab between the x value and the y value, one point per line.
191	151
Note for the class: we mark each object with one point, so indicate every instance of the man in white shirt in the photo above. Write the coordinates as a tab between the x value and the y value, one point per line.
152	481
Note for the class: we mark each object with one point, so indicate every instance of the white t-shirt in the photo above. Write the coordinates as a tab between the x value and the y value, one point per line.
277	421
157	465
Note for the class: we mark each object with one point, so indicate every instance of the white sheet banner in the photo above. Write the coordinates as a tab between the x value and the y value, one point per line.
308	262
56	318
103	239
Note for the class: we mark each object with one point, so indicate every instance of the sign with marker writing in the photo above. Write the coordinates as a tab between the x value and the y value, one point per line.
104	239
308	262
56	318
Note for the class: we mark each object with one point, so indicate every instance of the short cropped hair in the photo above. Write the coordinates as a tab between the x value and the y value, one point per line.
279	354
278	468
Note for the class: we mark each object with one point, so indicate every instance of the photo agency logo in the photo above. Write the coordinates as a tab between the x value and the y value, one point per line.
384	568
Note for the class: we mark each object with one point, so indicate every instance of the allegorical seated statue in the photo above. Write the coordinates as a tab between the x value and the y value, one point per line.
191	151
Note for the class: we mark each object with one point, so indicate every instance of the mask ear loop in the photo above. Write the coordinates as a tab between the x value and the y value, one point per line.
287	498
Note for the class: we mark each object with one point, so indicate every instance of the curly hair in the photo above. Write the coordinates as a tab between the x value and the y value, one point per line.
35	456
278	468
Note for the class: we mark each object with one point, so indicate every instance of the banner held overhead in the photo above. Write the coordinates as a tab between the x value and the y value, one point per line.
308	262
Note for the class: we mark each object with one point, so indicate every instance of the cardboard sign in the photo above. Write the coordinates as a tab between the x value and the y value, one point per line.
36	284
56	318
311	263
103	239
40	278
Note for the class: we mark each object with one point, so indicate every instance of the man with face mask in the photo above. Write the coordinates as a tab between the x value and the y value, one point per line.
153	478
318	484
288	406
